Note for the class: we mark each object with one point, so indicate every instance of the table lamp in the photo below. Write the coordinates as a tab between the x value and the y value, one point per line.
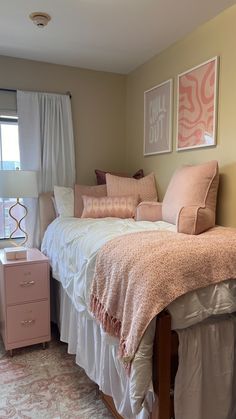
18	184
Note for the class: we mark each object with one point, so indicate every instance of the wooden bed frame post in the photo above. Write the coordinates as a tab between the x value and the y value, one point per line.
162	367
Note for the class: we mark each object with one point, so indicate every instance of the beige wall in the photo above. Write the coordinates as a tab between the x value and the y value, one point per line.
216	37
98	100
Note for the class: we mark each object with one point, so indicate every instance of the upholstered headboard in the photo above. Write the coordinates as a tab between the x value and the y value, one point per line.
46	211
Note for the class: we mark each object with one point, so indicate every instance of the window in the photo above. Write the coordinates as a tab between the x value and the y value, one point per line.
9	160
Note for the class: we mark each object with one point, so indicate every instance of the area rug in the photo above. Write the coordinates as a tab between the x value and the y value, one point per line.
37	383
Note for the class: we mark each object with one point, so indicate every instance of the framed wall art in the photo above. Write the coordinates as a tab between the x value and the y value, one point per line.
158	119
197	106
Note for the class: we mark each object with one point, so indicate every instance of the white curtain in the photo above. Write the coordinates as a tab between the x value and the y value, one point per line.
46	145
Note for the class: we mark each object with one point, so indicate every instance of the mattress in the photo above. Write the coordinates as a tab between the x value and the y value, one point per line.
72	245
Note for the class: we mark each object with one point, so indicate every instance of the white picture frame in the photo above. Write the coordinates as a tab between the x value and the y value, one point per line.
158	119
197	94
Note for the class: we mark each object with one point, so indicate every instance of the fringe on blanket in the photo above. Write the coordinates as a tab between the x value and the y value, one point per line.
112	326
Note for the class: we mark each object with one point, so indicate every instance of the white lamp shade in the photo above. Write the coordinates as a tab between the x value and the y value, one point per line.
18	184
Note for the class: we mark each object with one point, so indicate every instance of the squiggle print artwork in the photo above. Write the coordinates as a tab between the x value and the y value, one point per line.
196	106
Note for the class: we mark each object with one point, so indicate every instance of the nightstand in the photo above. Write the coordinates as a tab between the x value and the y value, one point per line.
24	300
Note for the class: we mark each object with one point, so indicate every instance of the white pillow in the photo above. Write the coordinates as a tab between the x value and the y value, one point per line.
64	198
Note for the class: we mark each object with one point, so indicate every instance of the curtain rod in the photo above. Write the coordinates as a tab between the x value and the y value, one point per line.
14	90
7	90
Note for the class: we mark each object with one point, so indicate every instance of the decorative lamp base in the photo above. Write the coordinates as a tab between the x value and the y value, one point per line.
18	223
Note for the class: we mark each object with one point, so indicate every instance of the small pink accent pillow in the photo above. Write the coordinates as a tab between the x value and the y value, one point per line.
116	206
80	190
144	189
190	199
149	211
101	175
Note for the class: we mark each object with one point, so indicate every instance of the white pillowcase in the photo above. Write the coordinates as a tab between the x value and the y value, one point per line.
64	199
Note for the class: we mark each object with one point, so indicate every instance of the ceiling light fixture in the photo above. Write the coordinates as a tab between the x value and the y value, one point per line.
40	19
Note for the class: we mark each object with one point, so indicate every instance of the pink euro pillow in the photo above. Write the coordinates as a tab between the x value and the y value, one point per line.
144	189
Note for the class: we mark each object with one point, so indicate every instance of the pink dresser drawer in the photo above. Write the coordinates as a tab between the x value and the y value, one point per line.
26	283
27	321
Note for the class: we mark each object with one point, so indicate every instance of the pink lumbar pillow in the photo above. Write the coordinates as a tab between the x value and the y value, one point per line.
116	206
190	199
144	189
80	190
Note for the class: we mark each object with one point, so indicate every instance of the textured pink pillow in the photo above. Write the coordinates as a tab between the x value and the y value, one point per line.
98	190
116	206
101	175
144	189
190	199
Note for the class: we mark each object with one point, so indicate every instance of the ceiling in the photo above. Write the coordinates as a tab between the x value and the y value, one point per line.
109	35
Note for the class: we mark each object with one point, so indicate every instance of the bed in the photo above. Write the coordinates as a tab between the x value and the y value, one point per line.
172	353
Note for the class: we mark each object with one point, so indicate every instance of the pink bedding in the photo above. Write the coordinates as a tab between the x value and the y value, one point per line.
139	274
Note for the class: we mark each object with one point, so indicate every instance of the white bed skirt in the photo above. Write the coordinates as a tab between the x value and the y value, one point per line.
206	377
96	353
205	385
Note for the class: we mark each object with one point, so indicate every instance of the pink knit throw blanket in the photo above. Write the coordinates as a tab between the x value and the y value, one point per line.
139	274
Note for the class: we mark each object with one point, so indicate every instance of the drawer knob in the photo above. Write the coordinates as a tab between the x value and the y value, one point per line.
26	322
26	283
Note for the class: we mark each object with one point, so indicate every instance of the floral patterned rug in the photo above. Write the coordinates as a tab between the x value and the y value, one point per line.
37	383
